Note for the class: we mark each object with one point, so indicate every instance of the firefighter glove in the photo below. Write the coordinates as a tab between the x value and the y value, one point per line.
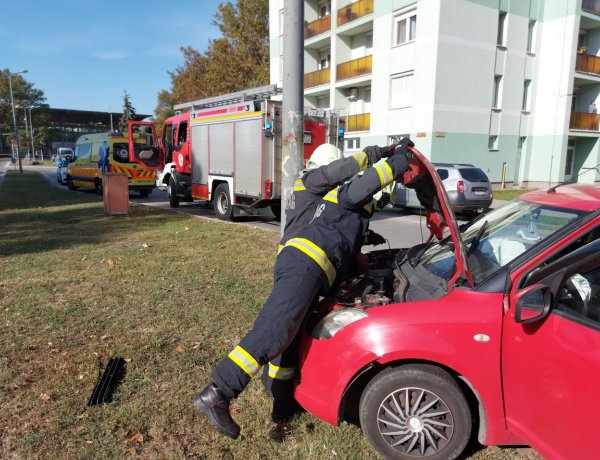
373	239
383	201
388	150
402	148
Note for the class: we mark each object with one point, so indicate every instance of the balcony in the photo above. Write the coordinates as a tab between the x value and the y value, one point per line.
355	68
584	121
587	63
354	11
317	27
591	6
360	122
316	78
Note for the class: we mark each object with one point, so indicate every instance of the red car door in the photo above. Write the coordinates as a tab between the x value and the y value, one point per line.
551	356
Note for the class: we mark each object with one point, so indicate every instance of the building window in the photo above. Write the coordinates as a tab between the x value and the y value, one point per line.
353	143
405	27
497	91
502	29
493	143
324	9
526	90
401	91
324	59
530	37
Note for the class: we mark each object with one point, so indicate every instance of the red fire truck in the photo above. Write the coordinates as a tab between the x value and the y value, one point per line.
227	150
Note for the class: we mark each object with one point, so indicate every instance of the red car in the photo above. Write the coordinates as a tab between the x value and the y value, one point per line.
492	332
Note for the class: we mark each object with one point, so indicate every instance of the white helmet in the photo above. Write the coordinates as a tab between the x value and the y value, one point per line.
323	155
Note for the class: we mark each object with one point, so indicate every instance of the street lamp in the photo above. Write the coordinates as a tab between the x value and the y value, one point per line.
12	103
30	108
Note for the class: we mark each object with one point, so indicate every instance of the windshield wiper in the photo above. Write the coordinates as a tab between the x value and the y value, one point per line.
475	241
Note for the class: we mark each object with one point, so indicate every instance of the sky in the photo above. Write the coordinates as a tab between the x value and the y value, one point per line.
83	54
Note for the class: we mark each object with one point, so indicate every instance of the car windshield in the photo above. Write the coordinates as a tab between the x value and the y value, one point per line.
497	238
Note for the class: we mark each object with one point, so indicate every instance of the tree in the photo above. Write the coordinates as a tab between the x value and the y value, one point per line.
164	109
24	95
236	61
128	113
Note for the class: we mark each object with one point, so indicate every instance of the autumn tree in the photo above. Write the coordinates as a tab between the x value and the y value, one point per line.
236	61
24	95
128	113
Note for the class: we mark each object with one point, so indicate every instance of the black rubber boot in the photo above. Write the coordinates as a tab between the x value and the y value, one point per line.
212	403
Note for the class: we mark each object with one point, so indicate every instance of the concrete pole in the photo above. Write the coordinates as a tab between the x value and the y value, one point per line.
26	130
292	152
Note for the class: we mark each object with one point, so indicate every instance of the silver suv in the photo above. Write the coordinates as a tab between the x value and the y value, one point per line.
468	188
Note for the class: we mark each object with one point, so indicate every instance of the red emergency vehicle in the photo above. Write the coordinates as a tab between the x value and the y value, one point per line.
227	149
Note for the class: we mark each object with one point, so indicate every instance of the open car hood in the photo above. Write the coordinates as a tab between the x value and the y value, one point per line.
438	221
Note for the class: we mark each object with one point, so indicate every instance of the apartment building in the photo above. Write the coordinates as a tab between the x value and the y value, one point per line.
503	84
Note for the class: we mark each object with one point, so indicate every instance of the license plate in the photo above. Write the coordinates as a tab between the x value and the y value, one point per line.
478	193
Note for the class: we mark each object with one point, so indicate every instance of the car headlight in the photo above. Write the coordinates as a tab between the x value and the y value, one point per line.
336	320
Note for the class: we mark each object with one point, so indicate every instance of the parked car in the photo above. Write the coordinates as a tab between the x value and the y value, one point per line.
467	187
61	171
492	331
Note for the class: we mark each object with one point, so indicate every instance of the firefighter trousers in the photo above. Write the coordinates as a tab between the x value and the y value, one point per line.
298	280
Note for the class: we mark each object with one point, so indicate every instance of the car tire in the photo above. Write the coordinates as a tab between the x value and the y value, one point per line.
172	193
70	184
436	423
222	203
98	186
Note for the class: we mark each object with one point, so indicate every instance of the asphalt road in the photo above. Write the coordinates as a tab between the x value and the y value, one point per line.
402	228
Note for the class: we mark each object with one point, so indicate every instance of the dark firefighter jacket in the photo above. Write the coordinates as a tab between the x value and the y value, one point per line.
312	186
335	234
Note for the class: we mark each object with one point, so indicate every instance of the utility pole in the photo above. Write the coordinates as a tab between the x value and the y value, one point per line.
292	151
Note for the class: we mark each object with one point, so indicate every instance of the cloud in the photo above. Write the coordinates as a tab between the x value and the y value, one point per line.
115	54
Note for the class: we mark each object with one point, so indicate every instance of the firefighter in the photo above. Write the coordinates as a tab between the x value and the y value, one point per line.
326	169
308	265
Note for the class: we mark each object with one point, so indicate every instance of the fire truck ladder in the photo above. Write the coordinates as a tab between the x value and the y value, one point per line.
251	94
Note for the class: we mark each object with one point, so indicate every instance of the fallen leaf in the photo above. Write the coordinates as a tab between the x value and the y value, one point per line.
145	245
110	262
187	228
89	442
80	416
83	258
180	349
104	337
45	396
139	437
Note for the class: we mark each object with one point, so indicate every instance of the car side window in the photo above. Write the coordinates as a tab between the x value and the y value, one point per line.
443	173
580	295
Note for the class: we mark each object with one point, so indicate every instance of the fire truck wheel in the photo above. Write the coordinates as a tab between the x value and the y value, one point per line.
98	186
171	192
221	202
276	209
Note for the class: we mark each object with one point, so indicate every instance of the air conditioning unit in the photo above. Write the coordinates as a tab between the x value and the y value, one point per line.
352	94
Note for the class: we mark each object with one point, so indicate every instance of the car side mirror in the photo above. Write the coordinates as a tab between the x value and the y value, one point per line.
533	303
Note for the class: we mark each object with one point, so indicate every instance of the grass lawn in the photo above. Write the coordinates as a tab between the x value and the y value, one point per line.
509	194
170	294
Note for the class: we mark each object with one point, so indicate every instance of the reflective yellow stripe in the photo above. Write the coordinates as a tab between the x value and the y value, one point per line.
243	359
386	175
281	373
299	185
368	207
279	248
362	160
315	253
332	196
